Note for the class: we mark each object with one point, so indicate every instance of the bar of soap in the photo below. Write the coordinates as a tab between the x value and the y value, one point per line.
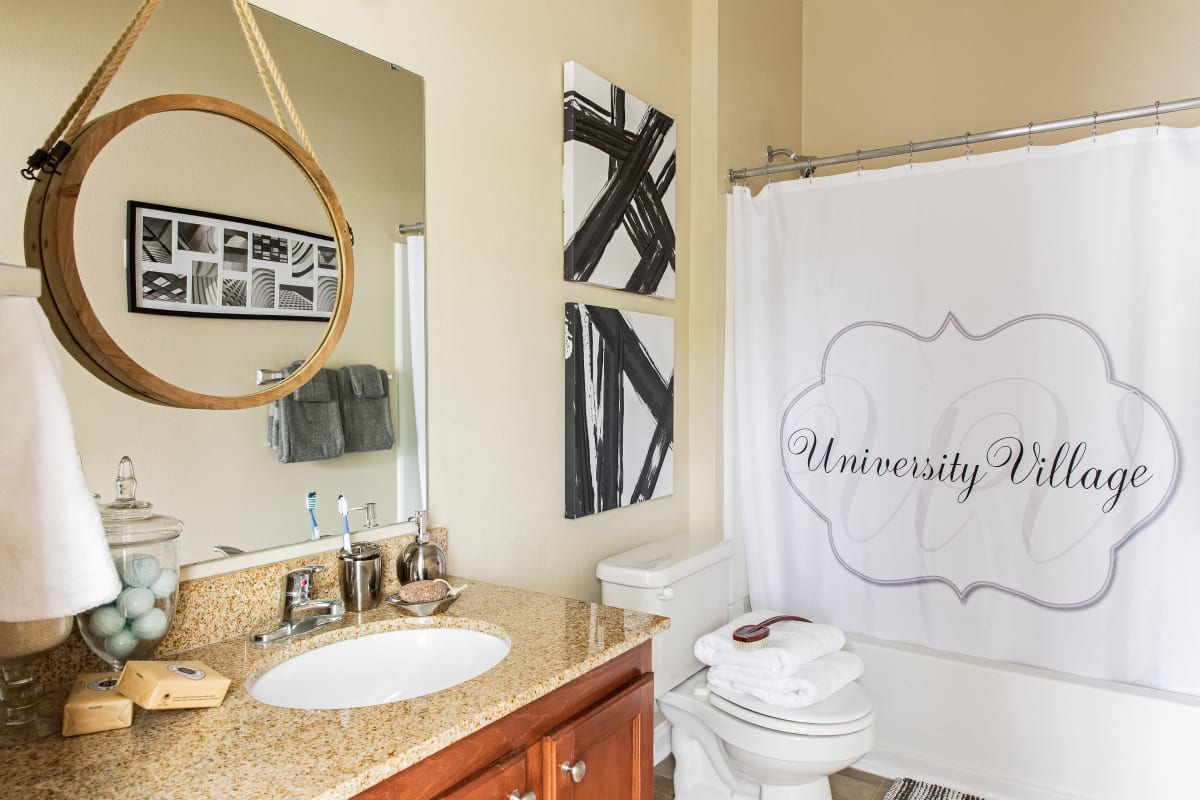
157	685
93	706
423	591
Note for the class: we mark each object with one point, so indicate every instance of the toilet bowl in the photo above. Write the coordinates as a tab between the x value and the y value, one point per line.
728	746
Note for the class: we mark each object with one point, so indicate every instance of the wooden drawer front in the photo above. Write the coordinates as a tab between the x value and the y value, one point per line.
497	782
614	740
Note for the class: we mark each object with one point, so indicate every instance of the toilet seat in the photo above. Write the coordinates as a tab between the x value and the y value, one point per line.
847	711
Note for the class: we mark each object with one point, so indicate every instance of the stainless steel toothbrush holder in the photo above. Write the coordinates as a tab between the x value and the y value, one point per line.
360	575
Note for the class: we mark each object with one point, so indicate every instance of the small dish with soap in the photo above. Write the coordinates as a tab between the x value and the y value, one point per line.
425	598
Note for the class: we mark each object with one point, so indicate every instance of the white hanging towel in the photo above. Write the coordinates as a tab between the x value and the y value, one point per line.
789	646
809	684
55	560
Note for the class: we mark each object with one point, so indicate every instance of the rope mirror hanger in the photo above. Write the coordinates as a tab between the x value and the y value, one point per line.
59	169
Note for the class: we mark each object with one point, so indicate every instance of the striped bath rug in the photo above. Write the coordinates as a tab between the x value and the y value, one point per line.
908	789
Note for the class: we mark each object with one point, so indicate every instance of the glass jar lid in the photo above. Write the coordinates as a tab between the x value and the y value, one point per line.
128	520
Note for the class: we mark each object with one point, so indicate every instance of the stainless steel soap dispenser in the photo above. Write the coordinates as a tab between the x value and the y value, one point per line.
422	560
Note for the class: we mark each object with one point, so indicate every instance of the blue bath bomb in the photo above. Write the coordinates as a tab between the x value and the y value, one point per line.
120	644
106	621
140	570
135	601
165	583
150	625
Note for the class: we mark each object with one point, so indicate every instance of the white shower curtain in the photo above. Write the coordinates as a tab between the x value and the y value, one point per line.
960	395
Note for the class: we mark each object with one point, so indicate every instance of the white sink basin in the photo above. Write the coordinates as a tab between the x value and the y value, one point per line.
379	668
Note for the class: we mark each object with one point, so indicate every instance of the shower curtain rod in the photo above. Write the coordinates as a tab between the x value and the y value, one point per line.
805	164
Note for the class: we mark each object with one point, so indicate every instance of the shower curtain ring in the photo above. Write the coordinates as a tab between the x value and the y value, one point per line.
910	151
811	169
967	142
1029	139
1157	119
1095	114
858	159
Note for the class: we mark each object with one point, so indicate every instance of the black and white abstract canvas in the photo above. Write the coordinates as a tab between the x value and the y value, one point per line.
620	408
618	187
200	263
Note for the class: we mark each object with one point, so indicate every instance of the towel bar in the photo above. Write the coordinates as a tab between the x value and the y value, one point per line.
271	375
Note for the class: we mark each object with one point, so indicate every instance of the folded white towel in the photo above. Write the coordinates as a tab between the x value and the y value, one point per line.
56	562
790	645
809	684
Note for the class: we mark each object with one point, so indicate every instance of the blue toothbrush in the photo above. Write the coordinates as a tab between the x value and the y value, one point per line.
344	510
311	502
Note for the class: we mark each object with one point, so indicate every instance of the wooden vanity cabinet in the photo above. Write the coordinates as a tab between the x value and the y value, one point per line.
603	718
605	753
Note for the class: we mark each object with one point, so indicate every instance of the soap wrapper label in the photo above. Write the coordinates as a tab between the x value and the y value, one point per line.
156	685
93	705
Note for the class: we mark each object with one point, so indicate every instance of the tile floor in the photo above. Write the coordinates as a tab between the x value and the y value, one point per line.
847	785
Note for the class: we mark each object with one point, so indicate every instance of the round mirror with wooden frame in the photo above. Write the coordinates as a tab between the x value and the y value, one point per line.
50	246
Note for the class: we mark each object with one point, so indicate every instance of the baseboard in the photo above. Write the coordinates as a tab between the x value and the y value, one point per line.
662	738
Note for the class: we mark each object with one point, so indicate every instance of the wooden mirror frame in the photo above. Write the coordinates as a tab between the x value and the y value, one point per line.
50	247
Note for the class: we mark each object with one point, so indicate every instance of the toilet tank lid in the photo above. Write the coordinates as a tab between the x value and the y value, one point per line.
663	562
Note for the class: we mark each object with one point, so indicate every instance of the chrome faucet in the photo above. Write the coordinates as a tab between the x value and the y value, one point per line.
295	599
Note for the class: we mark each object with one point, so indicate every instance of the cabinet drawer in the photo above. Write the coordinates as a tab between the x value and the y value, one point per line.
503	780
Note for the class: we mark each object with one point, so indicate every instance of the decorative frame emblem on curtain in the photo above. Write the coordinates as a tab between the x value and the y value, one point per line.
620	409
618	187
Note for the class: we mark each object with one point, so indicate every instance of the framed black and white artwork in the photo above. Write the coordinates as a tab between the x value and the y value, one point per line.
620	408
618	187
200	263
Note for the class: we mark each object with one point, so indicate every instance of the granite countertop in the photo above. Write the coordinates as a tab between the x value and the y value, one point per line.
250	750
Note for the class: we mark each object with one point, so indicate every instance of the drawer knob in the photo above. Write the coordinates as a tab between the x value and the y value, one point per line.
576	771
516	795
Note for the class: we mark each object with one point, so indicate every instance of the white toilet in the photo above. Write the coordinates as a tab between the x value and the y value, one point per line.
728	746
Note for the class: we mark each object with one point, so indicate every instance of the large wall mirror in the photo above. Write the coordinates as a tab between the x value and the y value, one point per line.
365	117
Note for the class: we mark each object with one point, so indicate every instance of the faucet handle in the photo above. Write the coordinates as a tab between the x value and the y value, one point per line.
298	582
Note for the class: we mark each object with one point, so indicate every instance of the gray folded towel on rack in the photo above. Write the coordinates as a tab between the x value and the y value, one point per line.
306	425
366	408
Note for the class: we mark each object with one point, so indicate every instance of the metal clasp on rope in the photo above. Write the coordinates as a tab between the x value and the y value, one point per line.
45	159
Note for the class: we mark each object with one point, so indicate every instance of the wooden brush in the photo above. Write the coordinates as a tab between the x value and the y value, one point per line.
752	637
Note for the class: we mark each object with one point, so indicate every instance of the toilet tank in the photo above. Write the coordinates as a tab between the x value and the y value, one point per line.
673	578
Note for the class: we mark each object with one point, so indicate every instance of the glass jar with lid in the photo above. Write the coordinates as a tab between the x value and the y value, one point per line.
145	551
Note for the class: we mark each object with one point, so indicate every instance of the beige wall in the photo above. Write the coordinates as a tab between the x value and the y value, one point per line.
878	73
495	294
869	73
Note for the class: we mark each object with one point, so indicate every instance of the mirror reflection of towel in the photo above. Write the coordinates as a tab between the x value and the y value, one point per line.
306	425
366	408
